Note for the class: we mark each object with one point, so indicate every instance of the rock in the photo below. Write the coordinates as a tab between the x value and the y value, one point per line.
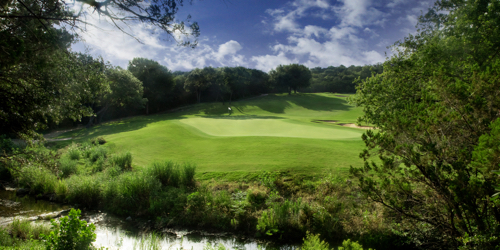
22	191
129	218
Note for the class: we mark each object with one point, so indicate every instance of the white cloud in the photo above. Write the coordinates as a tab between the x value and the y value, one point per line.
395	3
358	13
229	48
315	45
115	45
204	55
268	62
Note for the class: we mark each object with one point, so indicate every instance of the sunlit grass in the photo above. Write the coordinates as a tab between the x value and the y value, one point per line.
272	133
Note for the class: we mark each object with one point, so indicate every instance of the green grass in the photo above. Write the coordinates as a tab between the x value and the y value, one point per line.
272	133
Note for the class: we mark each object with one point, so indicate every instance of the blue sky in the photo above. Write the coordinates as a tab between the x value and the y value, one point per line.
263	34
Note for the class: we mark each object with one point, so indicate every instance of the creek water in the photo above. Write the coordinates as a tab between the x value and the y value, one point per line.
115	232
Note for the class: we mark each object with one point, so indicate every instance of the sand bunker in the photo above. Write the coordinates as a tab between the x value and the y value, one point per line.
329	121
352	125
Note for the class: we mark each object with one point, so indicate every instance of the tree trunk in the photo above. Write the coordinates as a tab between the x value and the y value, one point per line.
230	98
147	108
289	90
102	115
198	97
91	120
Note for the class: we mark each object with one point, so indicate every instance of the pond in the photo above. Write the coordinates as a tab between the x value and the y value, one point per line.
115	232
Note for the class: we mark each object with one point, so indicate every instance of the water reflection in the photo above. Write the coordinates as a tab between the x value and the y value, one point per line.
117	233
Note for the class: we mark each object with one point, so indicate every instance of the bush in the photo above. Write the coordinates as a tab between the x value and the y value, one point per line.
351	245
98	141
312	242
123	161
6	145
256	196
168	203
71	233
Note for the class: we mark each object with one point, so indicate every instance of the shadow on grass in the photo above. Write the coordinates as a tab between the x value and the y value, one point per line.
112	127
239	117
279	103
273	103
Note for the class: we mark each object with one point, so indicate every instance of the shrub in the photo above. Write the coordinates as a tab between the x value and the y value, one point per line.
123	161
351	245
6	145
98	141
62	189
313	242
256	196
169	202
70	233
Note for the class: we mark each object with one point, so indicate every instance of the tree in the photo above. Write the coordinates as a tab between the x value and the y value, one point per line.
156	79
291	76
159	14
436	106
39	76
40	80
125	91
199	80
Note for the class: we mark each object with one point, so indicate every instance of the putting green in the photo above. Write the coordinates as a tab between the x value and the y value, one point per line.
236	126
272	133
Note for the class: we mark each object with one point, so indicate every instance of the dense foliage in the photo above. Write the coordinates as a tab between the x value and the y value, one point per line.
156	79
437	107
291	77
39	77
340	79
70	233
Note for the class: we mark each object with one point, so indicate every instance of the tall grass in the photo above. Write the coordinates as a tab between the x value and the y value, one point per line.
94	153
130	192
172	174
74	153
123	161
27	230
38	179
84	190
150	241
68	166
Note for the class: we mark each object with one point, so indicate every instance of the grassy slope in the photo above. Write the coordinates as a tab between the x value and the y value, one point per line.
273	132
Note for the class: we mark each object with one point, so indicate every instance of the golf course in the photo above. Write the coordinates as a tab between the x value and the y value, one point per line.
276	132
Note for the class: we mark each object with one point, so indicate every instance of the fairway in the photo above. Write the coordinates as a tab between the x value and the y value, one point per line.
273	133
